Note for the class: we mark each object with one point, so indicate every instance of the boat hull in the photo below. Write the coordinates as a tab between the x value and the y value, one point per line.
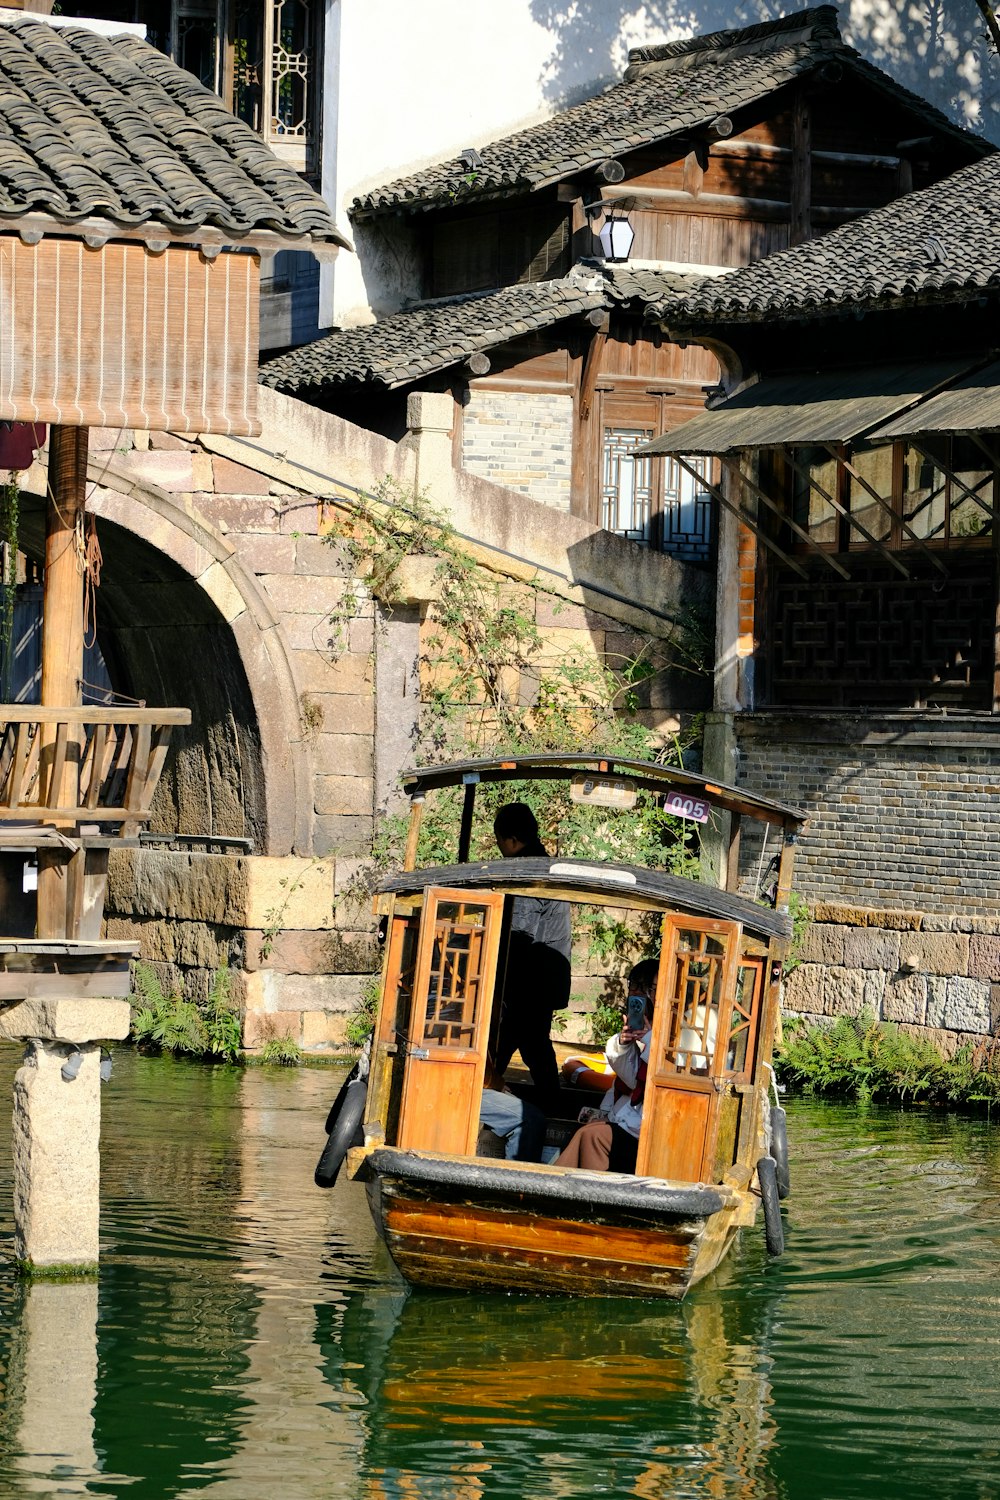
461	1223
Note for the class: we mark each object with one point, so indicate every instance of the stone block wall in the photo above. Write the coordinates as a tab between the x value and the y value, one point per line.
904	809
522	441
937	976
273	922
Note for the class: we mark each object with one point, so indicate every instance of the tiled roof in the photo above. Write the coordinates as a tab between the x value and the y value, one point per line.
430	337
666	91
935	245
97	127
645	285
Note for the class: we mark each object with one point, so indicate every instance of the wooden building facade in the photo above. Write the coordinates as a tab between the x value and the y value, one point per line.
721	150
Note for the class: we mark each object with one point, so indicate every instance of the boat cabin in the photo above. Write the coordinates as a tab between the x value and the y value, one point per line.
446	932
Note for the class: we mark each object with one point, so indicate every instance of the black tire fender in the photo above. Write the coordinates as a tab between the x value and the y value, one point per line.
779	1149
774	1233
345	1132
338	1103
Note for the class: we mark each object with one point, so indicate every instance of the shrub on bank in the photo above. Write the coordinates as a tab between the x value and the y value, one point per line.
211	1028
862	1058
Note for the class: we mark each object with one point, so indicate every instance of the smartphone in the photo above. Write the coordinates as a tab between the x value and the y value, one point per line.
636	1012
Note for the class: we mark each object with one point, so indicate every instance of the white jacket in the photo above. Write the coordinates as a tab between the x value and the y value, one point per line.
625	1058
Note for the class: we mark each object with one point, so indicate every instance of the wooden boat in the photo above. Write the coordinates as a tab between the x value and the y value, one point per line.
454	1218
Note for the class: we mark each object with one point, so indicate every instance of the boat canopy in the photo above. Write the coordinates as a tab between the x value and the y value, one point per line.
624	885
648	776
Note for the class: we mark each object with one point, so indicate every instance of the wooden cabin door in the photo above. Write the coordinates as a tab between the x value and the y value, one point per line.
688	1047
450	1020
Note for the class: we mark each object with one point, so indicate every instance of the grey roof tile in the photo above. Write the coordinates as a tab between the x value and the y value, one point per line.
430	336
95	126
934	245
666	91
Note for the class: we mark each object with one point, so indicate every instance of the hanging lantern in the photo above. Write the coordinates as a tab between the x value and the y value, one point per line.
616	237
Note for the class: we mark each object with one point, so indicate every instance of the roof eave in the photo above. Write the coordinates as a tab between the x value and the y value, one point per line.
98	230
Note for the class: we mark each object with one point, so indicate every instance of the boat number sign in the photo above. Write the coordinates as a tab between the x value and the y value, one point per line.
680	806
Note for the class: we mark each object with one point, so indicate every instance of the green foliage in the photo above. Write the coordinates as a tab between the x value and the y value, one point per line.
605	1021
283	1051
362	1022
171	1023
493	685
871	1060
10	507
798	910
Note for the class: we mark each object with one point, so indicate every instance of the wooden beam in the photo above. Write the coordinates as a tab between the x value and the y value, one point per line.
787	520
725	203
801	206
743	515
413	831
842	510
870	490
62	648
465	832
764	150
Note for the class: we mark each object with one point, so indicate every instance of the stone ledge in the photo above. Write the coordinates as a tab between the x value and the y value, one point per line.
66	1020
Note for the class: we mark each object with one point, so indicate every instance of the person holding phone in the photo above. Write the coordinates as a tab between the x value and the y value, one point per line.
610	1141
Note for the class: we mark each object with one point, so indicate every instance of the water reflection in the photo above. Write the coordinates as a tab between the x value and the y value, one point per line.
557	1398
51	1388
249	1338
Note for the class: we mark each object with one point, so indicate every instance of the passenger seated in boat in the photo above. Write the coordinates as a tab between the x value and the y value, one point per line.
610	1143
579	1073
518	1123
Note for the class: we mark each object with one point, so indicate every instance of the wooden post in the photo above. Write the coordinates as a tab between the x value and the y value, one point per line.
62	647
800	227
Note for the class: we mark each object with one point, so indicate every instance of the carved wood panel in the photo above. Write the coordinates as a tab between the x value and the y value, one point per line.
881	639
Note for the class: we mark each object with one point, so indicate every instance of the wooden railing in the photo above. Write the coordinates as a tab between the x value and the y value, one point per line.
82	765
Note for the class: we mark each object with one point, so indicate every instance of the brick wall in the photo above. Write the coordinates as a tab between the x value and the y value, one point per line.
522	441
904	809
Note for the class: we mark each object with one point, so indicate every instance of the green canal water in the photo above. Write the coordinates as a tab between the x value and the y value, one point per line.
248	1338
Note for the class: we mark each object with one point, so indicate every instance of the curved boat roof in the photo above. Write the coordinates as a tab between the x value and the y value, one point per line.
647	775
617	883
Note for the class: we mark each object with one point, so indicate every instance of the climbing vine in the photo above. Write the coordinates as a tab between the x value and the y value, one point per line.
494	682
10	516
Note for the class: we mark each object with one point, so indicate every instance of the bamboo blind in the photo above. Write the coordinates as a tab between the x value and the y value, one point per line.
122	337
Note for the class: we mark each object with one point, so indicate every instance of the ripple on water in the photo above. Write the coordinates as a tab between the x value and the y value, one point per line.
249	1337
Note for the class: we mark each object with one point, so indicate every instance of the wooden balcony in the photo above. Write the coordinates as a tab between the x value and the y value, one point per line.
70	766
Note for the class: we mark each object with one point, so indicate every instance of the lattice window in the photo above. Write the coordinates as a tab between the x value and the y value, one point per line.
261	56
743	1021
454	989
695	998
626	483
881	640
687	511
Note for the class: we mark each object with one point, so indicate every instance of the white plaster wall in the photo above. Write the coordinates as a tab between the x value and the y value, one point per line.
407	84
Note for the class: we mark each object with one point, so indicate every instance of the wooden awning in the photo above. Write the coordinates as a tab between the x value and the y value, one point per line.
971	405
122	336
790	411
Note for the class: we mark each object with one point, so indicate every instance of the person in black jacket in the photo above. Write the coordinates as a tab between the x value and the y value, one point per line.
537	980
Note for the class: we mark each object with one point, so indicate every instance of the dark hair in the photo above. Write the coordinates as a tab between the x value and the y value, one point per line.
644	974
516	821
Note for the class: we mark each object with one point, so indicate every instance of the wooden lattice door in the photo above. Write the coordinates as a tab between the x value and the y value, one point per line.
450	1020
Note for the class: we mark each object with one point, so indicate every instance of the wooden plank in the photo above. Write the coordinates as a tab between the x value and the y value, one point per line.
92	770
22	747
106	985
428	1263
801	190
473	1225
19	713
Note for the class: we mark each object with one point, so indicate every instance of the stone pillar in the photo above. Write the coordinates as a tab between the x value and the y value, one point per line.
57	1161
56	1129
430	421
